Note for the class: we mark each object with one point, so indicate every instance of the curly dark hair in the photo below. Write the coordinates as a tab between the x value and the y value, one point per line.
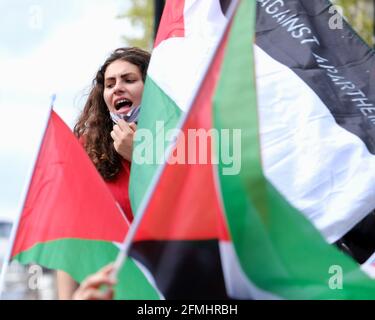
94	125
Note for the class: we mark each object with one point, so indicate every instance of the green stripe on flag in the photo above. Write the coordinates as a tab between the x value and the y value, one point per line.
80	258
158	110
279	249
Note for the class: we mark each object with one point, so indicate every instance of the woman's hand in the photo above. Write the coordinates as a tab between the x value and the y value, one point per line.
90	287
123	135
66	285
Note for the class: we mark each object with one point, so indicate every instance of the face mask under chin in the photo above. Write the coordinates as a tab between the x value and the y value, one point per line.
131	116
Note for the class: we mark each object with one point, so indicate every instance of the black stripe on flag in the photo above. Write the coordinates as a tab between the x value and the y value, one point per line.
359	242
335	63
183	269
224	4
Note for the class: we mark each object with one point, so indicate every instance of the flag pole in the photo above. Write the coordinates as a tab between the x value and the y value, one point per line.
124	250
158	12
25	191
121	256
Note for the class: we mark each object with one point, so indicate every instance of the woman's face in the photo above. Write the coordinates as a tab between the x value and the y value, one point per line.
123	87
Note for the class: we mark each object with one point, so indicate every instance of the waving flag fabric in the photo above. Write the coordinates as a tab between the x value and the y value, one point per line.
70	220
316	108
188	35
205	232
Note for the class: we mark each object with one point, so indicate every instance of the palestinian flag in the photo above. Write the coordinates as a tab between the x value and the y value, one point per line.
316	99
205	231
187	37
70	220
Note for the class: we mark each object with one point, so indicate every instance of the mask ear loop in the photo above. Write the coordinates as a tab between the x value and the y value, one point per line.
115	117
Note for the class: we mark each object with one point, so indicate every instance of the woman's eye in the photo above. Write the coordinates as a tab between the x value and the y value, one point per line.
109	86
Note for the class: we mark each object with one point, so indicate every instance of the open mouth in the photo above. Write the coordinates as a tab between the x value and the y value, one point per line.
123	105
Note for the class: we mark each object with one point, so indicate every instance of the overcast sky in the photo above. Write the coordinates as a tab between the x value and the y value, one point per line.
46	47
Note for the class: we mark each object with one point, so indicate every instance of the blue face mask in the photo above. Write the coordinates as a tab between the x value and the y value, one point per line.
131	116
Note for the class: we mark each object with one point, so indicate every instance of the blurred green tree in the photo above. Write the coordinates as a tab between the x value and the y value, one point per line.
141	17
359	14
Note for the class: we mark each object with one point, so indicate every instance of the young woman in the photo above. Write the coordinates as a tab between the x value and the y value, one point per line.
106	128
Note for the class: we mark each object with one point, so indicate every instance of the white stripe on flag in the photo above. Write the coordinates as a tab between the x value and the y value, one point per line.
177	64
322	169
369	266
238	285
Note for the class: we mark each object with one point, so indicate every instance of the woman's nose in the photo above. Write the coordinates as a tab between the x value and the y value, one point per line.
119	87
